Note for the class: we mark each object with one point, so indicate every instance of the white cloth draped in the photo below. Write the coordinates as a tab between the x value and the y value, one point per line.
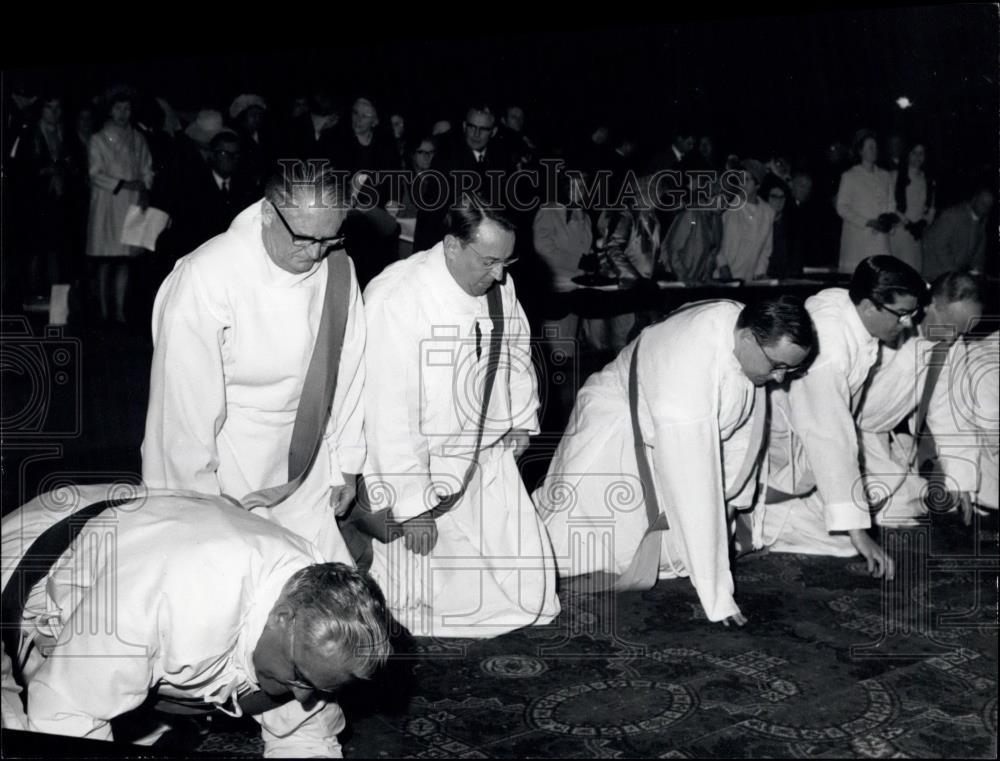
233	336
491	570
695	404
171	592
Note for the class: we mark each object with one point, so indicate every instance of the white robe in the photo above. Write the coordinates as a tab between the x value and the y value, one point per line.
964	417
695	404
814	439
172	593
491	570
954	418
233	336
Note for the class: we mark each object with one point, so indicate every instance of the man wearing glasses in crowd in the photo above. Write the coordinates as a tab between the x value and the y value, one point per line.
459	550
234	327
465	164
816	503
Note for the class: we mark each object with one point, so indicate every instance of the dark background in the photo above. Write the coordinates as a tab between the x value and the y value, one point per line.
754	82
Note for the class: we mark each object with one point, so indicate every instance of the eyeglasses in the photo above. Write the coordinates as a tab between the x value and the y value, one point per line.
900	316
424	153
491	263
776	367
477	129
777	196
299	682
332	243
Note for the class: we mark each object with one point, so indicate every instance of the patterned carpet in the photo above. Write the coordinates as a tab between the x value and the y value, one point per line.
832	664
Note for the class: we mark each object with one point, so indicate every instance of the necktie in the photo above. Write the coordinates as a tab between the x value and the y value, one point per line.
225	187
479	341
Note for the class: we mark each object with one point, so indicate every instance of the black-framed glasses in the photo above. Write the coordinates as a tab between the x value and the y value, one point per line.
331	243
776	366
779	196
478	129
489	263
900	316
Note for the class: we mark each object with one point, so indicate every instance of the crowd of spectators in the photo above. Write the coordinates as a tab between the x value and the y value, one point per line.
682	211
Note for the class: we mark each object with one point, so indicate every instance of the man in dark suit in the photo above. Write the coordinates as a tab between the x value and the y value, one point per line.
466	164
210	195
315	135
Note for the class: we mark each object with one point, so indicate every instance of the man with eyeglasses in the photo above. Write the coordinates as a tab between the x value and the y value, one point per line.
817	503
458	550
207	608
465	166
236	331
694	385
208	195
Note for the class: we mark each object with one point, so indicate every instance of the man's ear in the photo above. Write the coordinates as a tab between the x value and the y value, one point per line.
867	306
451	246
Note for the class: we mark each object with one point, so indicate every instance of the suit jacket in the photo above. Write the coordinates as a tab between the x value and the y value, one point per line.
300	141
460	159
201	210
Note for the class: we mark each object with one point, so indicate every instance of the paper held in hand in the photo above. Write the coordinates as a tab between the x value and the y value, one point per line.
142	228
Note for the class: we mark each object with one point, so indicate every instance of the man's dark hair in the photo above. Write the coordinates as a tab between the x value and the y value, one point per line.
881	279
772	319
952	287
481	107
295	181
226	136
859	142
468	213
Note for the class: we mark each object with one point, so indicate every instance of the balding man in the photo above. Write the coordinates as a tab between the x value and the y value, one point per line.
246	391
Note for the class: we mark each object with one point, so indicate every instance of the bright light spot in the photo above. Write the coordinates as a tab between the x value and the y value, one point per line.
904	102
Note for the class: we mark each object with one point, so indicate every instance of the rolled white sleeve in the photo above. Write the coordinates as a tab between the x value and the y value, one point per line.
687	461
523	383
398	455
821	416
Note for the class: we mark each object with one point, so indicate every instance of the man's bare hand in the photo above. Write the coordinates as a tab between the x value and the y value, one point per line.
342	496
737	618
420	534
518	440
879	562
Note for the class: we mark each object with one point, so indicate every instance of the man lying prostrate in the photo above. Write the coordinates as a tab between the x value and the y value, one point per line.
964	417
186	596
816	501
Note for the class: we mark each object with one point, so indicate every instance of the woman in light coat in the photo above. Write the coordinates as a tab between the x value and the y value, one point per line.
121	174
864	195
